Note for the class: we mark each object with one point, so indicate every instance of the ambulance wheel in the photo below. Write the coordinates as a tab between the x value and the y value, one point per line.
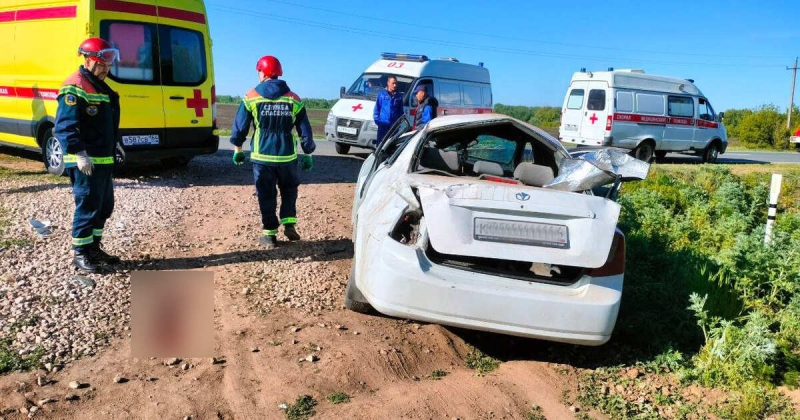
353	299
176	162
644	151
661	154
711	153
52	153
342	149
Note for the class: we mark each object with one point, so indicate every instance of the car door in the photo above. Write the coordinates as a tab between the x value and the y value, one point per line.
572	113
707	126
375	160
679	131
595	114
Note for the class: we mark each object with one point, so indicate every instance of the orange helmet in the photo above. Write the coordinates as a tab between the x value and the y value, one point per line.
98	49
270	66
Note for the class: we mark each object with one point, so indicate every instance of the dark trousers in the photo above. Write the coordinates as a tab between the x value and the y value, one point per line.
270	179
94	203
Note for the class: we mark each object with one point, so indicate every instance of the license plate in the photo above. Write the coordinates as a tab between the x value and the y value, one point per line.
140	140
347	130
521	233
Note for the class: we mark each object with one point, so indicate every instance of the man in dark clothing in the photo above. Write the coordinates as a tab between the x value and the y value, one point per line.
87	126
426	109
388	108
274	110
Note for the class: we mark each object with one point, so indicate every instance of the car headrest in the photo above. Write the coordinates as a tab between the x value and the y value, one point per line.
533	175
483	167
439	159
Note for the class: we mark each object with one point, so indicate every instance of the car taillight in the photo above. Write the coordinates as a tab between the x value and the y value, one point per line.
609	120
615	264
214	106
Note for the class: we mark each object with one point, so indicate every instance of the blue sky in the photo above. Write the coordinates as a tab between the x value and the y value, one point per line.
737	52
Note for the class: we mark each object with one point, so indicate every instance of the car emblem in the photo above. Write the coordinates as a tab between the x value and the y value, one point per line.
521	196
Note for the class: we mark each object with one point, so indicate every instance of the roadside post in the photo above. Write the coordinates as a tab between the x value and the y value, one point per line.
774	192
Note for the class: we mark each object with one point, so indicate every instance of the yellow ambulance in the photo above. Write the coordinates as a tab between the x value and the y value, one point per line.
165	76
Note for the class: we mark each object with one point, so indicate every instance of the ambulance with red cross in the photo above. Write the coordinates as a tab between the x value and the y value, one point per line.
164	75
460	88
650	115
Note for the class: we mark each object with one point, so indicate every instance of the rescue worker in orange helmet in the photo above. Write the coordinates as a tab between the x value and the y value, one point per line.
275	111
87	126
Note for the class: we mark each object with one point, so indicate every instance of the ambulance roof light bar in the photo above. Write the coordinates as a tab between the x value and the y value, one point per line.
404	57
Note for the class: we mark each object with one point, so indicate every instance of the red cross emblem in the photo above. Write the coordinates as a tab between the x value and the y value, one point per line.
594	118
197	102
357	107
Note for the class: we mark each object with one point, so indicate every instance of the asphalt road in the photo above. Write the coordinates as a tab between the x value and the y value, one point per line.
325	148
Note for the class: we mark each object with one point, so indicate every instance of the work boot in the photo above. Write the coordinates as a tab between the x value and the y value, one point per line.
100	255
290	232
85	262
269	241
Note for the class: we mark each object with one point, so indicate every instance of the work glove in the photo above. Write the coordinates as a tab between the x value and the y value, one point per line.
85	164
306	162
238	158
119	156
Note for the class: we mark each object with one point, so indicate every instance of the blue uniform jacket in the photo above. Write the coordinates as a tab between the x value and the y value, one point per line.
87	117
388	108
274	110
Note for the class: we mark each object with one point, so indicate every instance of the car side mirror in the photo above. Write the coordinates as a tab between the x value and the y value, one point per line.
341	92
721	116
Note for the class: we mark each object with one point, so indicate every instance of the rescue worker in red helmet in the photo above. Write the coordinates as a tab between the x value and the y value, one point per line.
275	111
87	126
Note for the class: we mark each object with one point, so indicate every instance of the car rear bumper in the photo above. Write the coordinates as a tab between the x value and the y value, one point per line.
399	280
174	142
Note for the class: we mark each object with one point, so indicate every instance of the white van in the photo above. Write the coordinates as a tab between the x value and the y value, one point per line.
460	88
650	115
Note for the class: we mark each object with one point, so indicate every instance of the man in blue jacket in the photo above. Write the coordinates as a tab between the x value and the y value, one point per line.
87	127
274	110
388	108
426	109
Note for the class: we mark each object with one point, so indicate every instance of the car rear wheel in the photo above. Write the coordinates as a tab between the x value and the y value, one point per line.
353	299
711	153
342	149
52	153
644	151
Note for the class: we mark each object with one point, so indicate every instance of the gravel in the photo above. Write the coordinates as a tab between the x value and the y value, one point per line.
43	307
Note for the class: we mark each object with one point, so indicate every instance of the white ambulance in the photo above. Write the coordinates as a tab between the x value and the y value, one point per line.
650	115
459	88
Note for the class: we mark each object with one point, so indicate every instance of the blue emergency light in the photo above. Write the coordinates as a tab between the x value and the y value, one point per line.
404	57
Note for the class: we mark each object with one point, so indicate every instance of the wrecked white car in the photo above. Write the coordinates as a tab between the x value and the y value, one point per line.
485	222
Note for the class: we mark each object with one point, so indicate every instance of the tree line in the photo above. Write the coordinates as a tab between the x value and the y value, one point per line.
762	127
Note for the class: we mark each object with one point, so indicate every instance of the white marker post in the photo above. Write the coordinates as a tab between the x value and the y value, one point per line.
774	192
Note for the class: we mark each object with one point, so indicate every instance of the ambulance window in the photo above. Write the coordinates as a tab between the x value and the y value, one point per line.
487	96
624	102
650	104
575	100
705	111
135	44
449	94
680	106
183	56
597	100
472	95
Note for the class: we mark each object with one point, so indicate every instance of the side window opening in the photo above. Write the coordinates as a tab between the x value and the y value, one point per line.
136	44
183	57
649	104
597	100
680	106
624	102
575	100
705	111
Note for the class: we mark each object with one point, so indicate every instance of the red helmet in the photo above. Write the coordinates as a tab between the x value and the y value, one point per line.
270	66
98	49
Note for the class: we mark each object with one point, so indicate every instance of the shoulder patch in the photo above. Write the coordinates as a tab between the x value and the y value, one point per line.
70	99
